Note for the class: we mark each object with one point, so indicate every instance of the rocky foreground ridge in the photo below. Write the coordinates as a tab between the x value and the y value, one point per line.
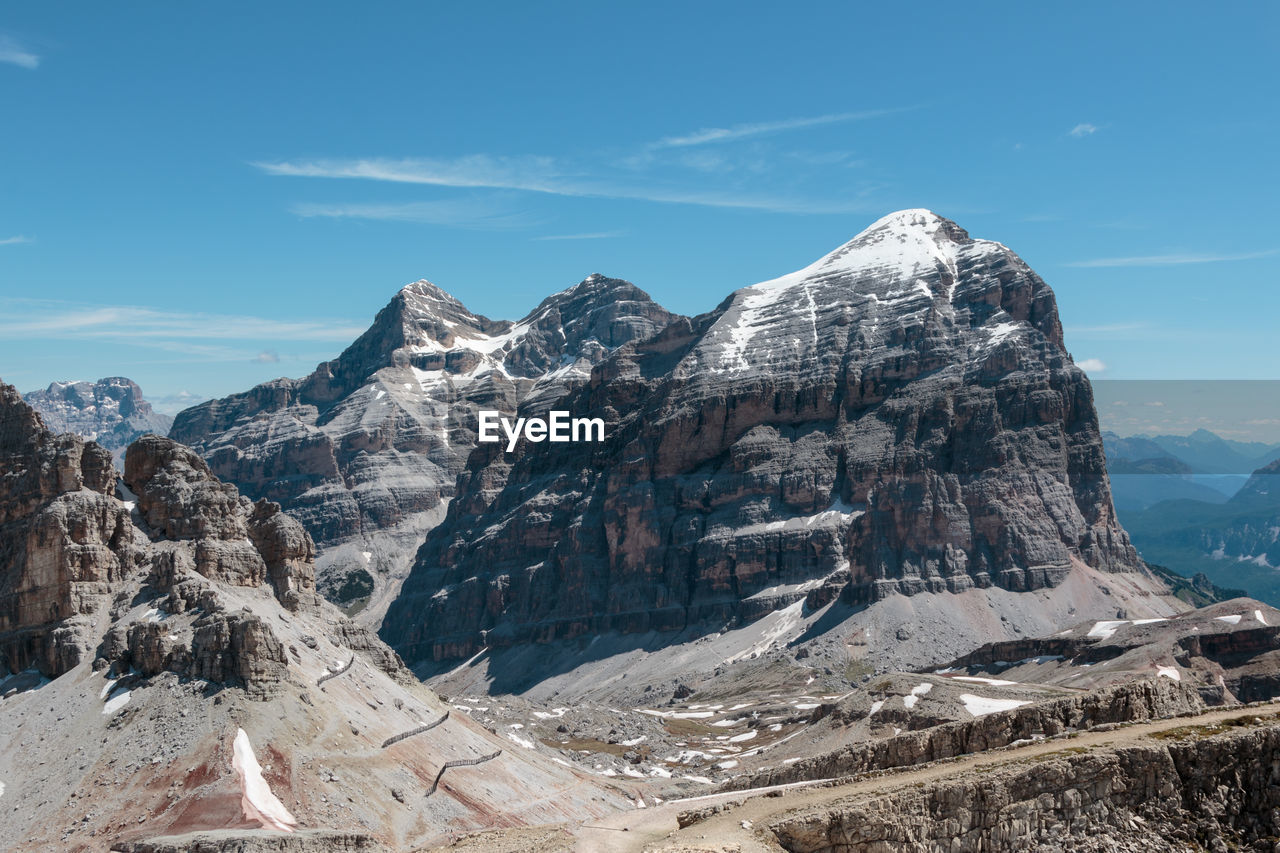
899	417
1189	793
155	632
366	450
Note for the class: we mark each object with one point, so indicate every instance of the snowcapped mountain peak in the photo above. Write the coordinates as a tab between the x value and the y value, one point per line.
911	218
908	240
886	279
424	292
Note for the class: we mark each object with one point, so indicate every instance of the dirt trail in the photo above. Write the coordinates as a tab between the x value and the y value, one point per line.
655	828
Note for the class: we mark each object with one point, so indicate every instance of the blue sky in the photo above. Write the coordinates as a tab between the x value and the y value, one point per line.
202	198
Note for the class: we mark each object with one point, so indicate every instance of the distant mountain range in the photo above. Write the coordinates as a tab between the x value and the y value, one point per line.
1236	542
111	411
1201	466
854	519
899	417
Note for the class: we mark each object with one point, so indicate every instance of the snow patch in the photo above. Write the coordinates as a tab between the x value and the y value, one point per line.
1106	628
995	682
520	741
912	698
1168	672
115	703
1257	614
677	715
553	714
980	706
1234	619
256	800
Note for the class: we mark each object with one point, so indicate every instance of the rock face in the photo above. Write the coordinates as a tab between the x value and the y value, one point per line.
111	411
1198	793
366	450
900	416
1132	702
164	612
65	541
75	556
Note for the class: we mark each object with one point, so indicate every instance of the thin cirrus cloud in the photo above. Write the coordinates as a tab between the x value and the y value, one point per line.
544	175
1084	129
14	241
711	135
457	214
13	53
1171	260
151	327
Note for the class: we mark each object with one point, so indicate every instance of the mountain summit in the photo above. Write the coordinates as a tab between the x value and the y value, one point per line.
898	418
365	451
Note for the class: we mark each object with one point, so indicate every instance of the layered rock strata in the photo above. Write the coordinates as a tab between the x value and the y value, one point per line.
901	416
366	450
77	557
1128	703
1196	793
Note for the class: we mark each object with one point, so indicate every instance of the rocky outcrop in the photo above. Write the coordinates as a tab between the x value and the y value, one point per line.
1197	793
899	417
234	540
111	412
76	559
1143	700
366	450
65	542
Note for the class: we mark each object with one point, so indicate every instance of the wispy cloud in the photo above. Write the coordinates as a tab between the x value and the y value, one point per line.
595	235
13	241
13	53
475	215
710	135
1084	129
547	175
1092	365
267	356
148	326
673	170
1172	259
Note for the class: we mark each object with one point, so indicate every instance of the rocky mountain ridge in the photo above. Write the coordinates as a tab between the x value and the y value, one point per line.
154	632
111	411
900	416
366	450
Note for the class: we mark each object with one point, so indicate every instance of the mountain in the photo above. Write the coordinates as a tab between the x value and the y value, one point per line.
1236	543
1144	473
1209	453
898	419
167	668
111	411
366	450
